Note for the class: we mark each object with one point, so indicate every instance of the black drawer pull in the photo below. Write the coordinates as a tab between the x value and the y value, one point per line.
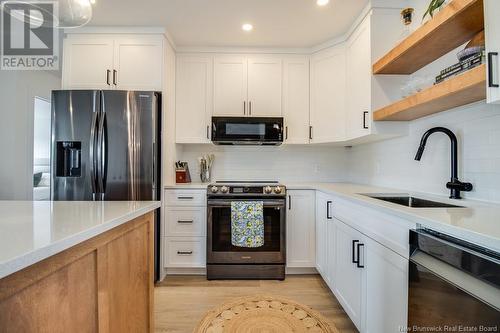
491	84
358	262
328	205
185	221
184	253
185	198
365	126
354	260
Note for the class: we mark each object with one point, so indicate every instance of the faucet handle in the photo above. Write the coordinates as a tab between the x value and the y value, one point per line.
455	184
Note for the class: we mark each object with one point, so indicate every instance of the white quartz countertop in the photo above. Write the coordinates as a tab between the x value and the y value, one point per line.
31	231
478	222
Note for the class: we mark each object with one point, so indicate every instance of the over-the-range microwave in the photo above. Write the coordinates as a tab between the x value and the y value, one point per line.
247	130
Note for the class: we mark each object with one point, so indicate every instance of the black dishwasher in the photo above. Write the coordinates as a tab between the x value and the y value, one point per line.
454	286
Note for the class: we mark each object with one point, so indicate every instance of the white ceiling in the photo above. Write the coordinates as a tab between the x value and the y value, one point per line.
277	23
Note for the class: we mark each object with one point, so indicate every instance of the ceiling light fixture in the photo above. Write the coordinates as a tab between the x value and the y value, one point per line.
322	2
247	27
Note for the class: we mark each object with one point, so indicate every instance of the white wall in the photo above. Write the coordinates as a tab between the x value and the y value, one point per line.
391	163
17	95
283	163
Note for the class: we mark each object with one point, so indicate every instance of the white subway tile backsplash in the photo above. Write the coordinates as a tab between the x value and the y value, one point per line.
477	127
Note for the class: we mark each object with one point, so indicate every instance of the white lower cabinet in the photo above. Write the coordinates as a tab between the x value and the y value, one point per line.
186	252
321	240
184	229
300	229
386	289
349	273
368	279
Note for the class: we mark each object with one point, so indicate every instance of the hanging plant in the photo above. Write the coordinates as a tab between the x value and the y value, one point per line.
433	6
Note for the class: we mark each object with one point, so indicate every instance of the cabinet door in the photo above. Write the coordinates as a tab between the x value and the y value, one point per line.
87	62
359	82
230	86
328	87
348	277
331	234
264	86
301	234
296	99
321	239
492	34
193	99
138	63
387	280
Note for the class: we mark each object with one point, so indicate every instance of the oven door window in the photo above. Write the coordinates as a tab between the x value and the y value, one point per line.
221	230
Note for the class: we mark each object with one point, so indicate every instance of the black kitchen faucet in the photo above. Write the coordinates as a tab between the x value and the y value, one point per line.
455	185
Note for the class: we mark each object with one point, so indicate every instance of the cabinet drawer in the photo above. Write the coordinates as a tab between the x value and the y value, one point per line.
185	221
185	252
186	198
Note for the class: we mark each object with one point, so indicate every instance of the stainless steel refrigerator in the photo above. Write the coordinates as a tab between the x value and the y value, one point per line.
106	146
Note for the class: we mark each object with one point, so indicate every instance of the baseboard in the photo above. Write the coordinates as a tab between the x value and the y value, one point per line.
185	271
300	270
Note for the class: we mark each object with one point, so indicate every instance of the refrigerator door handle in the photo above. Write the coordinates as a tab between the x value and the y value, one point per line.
93	157
101	150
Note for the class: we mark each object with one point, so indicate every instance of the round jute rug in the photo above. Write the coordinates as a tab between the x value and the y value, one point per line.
263	314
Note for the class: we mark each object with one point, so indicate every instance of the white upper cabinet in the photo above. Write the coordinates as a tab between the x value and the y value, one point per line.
99	61
328	90
87	62
359	82
247	86
193	98
230	86
138	63
492	34
264	86
296	99
301	234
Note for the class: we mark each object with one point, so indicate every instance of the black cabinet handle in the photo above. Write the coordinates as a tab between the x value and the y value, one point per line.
365	126
208	134
250	108
354	260
185	221
328	216
358	261
107	76
310	132
244	108
286	132
114	76
289	202
185	198
185	253
491	84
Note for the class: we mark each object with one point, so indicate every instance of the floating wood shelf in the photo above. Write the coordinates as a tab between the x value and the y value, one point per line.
460	90
454	25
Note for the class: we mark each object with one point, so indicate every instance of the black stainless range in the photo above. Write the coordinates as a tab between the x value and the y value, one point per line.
227	261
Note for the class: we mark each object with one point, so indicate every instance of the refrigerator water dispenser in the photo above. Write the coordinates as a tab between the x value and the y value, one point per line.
68	157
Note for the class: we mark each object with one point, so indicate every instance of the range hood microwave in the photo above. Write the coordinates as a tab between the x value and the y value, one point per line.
247	131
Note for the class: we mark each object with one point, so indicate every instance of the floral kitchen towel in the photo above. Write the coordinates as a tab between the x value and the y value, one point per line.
247	223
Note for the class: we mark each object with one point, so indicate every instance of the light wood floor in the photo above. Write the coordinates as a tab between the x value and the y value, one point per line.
182	301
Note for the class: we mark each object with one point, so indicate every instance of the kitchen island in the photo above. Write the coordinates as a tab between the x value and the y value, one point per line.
76	266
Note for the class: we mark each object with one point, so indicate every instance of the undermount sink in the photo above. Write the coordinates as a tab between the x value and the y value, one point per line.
409	201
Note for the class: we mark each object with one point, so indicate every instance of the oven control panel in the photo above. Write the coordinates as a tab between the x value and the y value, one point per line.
235	190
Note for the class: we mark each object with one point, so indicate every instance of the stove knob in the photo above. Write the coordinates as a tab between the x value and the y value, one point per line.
278	189
214	189
268	190
224	189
